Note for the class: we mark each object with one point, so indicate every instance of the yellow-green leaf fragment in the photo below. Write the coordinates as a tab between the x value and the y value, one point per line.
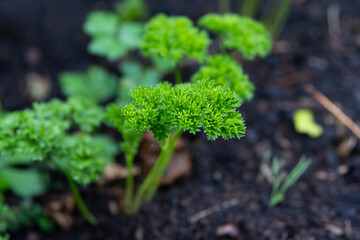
304	123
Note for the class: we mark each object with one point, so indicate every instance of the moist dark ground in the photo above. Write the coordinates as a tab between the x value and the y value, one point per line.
323	204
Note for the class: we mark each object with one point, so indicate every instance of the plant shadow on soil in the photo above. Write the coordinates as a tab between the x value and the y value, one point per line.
323	204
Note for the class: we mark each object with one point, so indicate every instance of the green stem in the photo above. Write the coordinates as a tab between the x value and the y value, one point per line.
224	6
80	202
278	18
152	181
129	183
178	77
249	8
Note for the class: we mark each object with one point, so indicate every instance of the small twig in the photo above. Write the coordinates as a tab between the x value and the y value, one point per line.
333	109
211	210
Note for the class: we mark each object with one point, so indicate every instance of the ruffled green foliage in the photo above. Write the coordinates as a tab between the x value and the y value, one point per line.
47	133
26	214
111	37
134	75
240	33
188	107
85	157
173	38
97	84
226	72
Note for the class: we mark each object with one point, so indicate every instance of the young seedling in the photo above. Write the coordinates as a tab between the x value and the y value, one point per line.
239	33
26	213
172	39
280	187
56	135
169	111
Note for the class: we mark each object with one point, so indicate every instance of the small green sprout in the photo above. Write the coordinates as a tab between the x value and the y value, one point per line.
304	123
96	84
111	37
280	187
227	72
239	33
57	135
169	111
173	38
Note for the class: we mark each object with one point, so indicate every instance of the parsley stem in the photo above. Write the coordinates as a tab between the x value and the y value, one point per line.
80	202
178	77
129	183
151	183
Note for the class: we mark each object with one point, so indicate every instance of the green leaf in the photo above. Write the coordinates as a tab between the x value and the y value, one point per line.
189	107
226	72
304	123
101	24
129	34
23	182
239	33
96	85
173	38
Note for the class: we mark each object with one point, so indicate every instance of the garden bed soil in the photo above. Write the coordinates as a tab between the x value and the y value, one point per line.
45	37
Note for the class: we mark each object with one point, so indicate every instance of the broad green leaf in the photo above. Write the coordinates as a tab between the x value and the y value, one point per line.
96	85
23	182
100	24
129	34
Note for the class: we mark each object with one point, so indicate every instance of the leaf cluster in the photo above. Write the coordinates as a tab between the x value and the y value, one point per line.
57	133
173	38
239	33
188	107
25	214
226	72
96	84
111	36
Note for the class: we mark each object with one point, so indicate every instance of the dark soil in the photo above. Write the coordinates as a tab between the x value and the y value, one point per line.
323	204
